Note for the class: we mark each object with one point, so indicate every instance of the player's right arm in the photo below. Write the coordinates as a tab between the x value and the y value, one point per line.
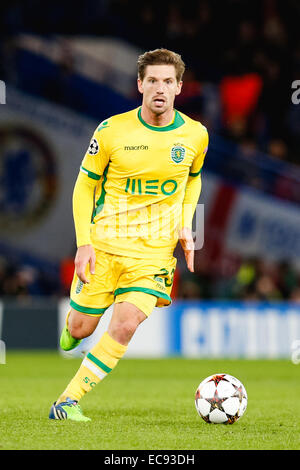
91	170
83	203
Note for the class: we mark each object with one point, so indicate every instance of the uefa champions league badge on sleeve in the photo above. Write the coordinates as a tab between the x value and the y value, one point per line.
93	147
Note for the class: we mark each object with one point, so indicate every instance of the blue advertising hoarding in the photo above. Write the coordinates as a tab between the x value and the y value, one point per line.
233	329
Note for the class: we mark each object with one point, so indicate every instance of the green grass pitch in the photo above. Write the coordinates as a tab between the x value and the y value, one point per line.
146	404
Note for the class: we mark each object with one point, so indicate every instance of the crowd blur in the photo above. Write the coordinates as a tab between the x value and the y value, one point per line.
26	280
253	280
242	56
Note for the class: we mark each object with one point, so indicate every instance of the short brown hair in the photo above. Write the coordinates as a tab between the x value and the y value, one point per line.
161	57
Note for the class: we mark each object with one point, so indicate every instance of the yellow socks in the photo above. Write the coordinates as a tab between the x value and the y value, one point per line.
96	365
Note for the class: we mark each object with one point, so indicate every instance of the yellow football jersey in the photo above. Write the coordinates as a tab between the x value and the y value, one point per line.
142	171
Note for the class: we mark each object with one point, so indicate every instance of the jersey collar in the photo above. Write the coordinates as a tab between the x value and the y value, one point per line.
178	121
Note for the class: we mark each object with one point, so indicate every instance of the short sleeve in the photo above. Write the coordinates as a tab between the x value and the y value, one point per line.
96	157
198	161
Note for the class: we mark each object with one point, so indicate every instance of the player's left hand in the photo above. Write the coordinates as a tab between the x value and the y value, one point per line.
188	246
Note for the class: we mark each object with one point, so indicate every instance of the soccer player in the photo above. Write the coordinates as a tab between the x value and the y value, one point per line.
134	198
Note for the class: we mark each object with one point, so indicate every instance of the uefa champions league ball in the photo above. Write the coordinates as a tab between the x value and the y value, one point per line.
221	398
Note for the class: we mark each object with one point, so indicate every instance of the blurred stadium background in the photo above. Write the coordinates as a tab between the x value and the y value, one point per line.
66	67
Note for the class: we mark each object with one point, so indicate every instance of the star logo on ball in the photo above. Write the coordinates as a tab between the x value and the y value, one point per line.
216	402
238	392
218	378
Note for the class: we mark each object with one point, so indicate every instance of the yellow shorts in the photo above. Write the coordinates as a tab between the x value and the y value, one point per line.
144	283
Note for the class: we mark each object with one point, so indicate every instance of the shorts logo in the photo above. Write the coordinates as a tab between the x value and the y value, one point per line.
79	287
177	153
167	280
160	281
94	147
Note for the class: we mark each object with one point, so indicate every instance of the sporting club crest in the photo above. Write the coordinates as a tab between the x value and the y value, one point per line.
177	153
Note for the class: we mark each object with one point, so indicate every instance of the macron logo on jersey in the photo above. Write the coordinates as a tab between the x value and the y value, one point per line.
136	147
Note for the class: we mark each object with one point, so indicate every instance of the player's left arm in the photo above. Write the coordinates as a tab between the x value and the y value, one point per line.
192	194
190	201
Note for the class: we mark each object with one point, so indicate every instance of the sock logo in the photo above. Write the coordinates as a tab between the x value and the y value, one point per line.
87	380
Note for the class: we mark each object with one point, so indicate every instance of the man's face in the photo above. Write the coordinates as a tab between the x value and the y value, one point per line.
159	88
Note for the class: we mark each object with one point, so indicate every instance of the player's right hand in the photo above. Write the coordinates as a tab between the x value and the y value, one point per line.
85	255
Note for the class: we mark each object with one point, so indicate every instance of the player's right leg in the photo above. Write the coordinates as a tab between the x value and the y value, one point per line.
88	302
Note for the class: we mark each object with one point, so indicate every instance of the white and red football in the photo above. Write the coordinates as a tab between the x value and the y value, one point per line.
221	398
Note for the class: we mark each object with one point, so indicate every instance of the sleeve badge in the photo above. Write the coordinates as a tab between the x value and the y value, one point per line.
93	147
